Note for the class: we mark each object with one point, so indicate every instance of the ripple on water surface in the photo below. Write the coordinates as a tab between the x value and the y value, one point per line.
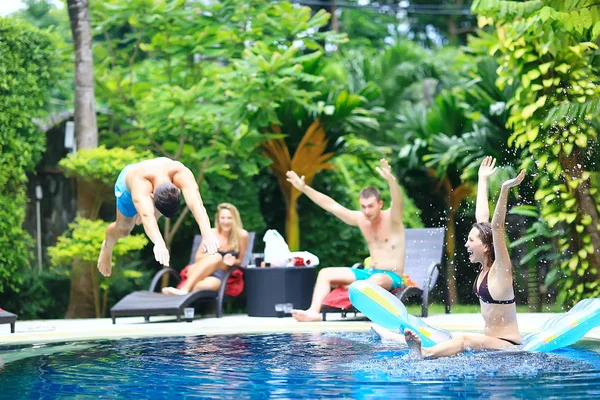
290	366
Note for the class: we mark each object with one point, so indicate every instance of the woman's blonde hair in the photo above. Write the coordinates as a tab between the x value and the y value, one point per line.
235	237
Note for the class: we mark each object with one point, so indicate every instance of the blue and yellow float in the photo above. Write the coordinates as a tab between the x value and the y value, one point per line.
385	309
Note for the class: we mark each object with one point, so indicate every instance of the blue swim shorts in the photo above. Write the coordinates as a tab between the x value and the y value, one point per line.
123	195
362	274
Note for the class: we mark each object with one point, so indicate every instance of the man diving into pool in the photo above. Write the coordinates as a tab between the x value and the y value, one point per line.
382	229
144	192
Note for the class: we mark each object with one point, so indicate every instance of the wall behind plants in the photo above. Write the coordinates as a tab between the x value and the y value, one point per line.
26	61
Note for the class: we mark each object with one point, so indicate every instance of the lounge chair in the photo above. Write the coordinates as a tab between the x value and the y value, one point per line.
150	302
424	252
8	318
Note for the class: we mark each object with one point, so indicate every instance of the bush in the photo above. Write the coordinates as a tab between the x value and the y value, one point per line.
41	296
26	61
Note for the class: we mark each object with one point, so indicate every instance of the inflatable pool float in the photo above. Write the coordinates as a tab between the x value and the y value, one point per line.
565	329
387	310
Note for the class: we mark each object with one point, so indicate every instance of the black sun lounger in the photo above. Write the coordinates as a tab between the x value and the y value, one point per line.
8	318
424	253
150	302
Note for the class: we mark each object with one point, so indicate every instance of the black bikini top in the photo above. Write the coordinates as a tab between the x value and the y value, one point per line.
484	293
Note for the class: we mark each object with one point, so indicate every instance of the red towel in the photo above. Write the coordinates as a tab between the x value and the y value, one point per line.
338	298
235	283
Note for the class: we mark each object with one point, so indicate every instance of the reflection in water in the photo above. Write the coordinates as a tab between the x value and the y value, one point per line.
290	366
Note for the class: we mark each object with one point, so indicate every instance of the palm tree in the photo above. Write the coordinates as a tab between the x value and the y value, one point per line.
314	137
83	281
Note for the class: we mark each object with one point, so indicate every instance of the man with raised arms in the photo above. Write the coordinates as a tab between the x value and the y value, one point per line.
382	229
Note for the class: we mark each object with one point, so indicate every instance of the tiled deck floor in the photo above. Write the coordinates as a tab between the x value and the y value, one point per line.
46	331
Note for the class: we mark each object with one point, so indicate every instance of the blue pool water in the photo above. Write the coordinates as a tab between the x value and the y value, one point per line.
289	366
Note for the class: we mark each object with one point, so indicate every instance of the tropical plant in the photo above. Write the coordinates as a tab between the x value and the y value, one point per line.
96	170
342	113
549	48
438	147
539	240
82	243
404	74
369	29
304	103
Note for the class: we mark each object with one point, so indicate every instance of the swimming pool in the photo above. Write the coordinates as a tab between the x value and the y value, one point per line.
289	366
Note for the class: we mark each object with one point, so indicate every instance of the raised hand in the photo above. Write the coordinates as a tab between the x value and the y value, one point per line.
210	242
487	169
515	181
295	180
161	254
385	171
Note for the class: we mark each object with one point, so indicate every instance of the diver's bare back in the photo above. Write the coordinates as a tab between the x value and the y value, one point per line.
154	171
386	243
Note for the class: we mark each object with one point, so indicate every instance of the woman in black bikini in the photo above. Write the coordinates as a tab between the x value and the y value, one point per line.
486	245
209	269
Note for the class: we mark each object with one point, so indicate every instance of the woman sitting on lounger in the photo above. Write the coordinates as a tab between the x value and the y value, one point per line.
209	269
486	245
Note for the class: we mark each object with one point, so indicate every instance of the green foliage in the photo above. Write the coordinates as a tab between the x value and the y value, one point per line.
101	166
546	50
266	78
83	242
403	76
506	9
537	230
16	245
45	15
43	295
26	62
40	13
26	57
368	28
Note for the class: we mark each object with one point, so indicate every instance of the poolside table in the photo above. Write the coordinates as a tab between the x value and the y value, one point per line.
271	286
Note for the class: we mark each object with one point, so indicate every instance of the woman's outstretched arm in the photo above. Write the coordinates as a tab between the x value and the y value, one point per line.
500	249
482	208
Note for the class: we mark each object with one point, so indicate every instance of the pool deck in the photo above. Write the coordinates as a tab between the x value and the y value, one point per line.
69	330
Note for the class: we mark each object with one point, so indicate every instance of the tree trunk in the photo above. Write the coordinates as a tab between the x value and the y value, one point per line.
334	19
450	266
533	282
292	225
454	197
86	127
82	302
573	167
453	30
83	288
